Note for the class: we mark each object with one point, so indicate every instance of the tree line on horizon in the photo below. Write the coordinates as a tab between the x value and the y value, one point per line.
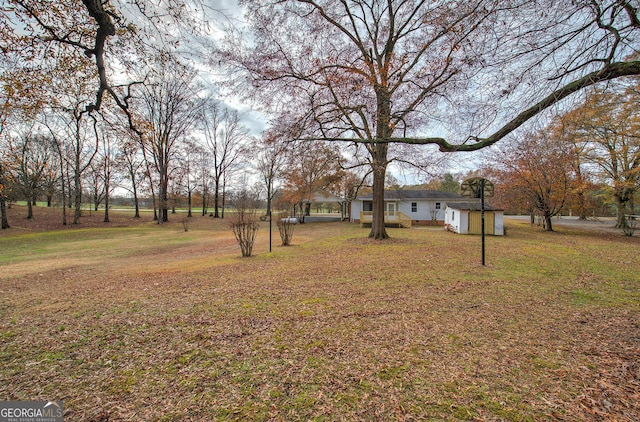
371	84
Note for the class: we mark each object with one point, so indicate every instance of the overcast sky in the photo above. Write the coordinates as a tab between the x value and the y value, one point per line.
228	12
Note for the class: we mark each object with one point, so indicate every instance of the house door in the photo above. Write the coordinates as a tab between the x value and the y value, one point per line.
391	209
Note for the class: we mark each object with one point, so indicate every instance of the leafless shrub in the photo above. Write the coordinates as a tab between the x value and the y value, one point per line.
285	227
245	222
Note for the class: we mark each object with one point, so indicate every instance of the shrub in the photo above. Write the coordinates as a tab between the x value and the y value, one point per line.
285	227
244	224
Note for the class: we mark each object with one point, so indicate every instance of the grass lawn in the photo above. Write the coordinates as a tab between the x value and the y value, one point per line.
154	323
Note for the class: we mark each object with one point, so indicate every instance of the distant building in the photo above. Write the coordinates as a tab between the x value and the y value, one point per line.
466	218
405	208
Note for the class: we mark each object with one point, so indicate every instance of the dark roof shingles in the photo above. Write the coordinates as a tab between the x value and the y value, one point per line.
416	194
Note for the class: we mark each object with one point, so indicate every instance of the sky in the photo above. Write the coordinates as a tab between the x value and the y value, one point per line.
195	48
221	13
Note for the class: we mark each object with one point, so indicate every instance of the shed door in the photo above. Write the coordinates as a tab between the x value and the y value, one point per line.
475	222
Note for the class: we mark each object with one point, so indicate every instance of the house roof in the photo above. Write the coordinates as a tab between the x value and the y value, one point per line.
472	206
411	194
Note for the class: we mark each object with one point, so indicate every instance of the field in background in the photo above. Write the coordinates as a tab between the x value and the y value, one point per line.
135	321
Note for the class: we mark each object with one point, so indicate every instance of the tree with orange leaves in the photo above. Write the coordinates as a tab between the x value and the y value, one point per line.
309	171
536	174
605	128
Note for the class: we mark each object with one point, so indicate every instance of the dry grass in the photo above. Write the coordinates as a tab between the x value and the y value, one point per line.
152	323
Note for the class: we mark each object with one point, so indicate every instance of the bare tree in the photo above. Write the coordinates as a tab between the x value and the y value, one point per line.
348	188
204	172
244	222
51	174
30	152
271	161
170	108
108	166
76	140
227	140
377	72
131	164
190	154
95	183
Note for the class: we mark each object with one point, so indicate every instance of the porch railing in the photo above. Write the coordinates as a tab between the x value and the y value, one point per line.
399	218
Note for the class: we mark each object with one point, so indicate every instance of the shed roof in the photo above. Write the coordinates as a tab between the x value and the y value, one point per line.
410	194
472	206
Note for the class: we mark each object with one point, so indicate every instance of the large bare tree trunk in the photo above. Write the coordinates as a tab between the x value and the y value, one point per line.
621	204
216	199
378	153
136	201
63	192
79	166
106	200
189	213
3	213
29	208
163	188
164	211
224	195
378	230
77	196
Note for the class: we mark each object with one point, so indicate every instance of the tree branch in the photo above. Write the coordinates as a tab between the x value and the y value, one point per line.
609	72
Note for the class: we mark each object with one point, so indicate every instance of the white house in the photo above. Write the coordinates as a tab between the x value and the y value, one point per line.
466	218
407	207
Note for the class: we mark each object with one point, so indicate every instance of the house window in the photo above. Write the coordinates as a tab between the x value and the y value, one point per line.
453	215
438	205
414	207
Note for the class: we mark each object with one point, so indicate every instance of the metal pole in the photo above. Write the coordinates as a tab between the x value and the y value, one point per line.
270	220
482	210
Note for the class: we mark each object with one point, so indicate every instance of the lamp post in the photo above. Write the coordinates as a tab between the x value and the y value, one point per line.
478	187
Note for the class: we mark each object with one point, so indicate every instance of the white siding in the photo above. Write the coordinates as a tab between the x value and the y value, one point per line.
356	207
423	212
464	221
458	221
499	223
